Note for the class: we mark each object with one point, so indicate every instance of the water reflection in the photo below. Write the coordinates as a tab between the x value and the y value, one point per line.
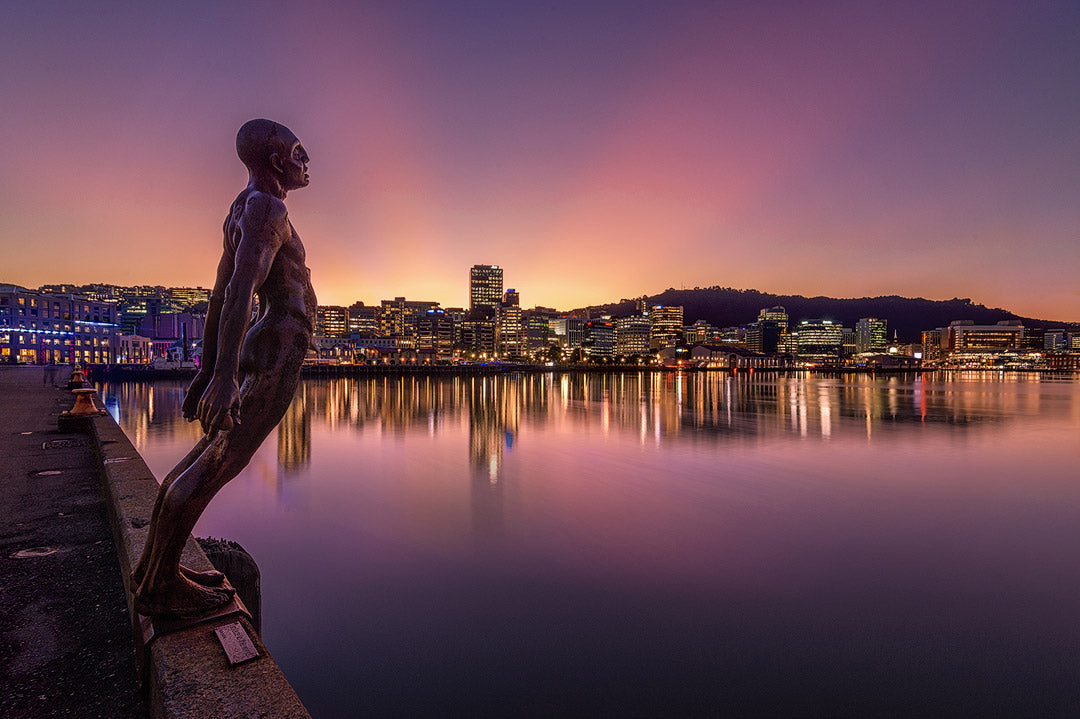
661	544
656	407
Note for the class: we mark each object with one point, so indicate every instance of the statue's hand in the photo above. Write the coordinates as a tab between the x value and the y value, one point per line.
219	406
195	391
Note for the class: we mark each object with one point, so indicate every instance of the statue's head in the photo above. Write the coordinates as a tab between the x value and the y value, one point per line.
270	149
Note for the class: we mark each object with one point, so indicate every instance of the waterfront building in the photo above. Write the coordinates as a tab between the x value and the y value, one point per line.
331	321
478	335
1063	360
435	334
375	349
599	338
964	336
133	349
819	340
771	331
887	360
363	320
931	345
847	348
632	335
172	334
764	336
871	335
333	350
1054	340
537	329
1033	340
569	331
667	326
509	334
725	357
43	328
397	318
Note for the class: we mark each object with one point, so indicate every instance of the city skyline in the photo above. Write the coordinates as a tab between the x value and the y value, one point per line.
594	153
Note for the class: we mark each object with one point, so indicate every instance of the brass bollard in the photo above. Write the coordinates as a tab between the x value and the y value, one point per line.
78	379
84	403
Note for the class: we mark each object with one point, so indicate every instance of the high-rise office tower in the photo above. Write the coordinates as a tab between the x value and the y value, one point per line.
485	288
667	326
870	335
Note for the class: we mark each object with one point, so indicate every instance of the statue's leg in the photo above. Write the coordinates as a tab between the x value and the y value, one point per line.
212	578
164	589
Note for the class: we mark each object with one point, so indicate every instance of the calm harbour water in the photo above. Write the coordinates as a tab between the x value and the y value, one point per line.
661	544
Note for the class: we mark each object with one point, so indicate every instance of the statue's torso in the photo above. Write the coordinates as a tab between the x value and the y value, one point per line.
286	292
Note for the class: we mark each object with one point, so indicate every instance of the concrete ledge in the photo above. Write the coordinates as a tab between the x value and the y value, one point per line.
186	673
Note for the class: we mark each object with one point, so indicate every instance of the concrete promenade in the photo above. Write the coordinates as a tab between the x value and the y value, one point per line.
65	632
78	506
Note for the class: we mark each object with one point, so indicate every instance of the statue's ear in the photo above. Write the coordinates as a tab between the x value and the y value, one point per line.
276	163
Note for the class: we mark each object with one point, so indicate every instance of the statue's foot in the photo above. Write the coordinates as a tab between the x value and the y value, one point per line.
180	596
211	578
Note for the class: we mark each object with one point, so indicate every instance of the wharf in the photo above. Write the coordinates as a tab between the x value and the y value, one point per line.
77	506
65	632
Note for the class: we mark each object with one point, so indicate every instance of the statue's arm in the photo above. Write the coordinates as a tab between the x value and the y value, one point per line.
263	229
210	338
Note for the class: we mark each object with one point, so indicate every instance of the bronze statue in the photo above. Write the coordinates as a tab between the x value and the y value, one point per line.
249	370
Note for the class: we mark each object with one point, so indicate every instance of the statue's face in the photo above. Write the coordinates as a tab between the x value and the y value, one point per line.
294	167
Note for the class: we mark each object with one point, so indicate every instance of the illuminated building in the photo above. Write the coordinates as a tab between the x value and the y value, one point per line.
509	335
183	298
599	338
478	335
819	340
479	330
435	333
133	349
364	320
632	335
701	333
667	326
775	314
485	287
537	328
39	328
770	333
967	337
331	321
568	331
397	319
169	332
870	335
931	344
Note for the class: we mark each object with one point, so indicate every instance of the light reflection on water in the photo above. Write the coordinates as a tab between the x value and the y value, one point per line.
660	544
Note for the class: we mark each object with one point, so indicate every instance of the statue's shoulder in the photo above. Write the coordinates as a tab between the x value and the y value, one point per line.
265	207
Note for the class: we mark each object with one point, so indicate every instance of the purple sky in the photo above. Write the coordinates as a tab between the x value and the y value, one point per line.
595	150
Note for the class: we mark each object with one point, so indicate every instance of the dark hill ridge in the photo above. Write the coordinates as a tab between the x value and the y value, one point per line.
726	307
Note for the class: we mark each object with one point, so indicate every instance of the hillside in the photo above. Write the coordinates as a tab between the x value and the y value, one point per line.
725	307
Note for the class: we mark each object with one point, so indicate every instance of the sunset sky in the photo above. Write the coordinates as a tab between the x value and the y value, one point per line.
594	150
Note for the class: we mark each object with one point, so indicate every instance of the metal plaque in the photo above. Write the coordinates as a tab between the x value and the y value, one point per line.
58	443
236	643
